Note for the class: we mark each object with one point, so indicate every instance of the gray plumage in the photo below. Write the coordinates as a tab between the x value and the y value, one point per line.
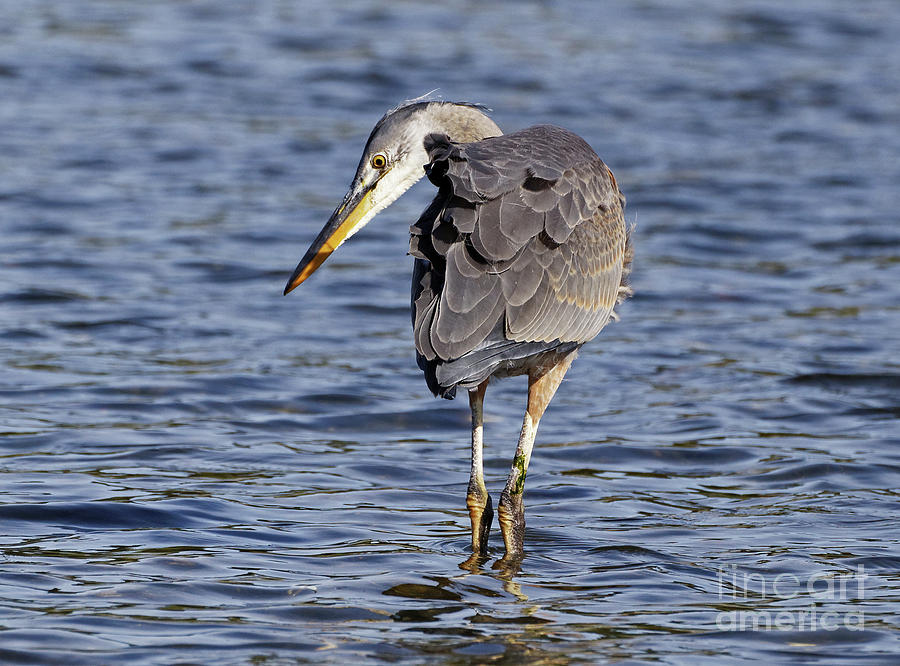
523	251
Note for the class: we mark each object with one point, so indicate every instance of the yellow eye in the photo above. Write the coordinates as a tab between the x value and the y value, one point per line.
379	161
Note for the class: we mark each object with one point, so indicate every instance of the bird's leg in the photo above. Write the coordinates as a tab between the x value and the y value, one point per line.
477	499
542	385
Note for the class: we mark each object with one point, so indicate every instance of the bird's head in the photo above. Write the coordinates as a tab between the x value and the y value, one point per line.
393	160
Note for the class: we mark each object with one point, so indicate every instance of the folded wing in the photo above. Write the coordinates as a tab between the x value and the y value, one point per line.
523	250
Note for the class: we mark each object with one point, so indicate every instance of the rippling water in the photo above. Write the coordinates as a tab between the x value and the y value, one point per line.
197	469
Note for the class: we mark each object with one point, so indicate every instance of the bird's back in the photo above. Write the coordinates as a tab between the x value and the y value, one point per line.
521	256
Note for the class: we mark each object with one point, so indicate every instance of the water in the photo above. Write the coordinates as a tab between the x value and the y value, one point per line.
197	469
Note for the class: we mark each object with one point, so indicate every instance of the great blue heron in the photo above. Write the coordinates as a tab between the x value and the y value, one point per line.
519	260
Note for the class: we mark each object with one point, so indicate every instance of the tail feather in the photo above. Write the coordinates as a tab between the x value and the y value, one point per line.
479	364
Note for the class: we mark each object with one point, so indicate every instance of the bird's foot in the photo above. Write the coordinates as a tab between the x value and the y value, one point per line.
511	514
508	565
481	513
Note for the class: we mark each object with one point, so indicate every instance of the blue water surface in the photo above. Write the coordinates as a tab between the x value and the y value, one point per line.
195	469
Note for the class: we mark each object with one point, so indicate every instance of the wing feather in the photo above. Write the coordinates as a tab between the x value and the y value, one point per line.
524	250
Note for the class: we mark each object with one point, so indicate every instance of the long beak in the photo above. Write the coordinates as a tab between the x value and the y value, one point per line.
346	219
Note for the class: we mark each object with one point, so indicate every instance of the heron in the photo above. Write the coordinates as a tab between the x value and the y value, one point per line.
519	260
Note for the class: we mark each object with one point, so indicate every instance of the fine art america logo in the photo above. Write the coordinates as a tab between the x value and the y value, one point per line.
827	600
